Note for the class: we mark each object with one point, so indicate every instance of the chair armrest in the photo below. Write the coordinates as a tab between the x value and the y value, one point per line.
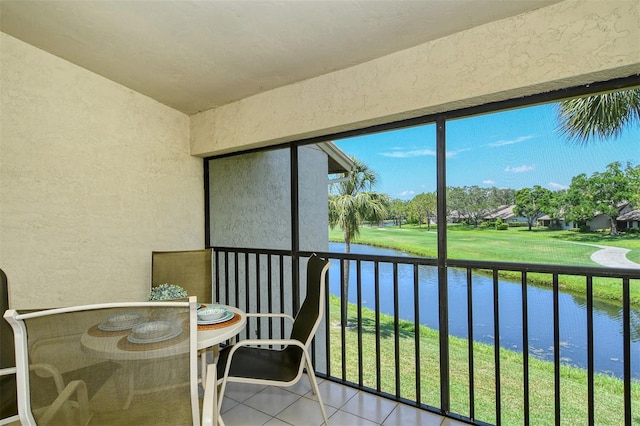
264	342
270	315
78	387
7	371
51	371
210	402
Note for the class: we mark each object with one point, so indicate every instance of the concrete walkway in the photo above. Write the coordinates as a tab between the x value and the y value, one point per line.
612	257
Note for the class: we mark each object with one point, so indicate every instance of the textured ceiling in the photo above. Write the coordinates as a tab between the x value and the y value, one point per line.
195	55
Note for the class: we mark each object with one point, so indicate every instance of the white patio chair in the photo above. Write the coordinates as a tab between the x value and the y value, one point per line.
71	364
248	361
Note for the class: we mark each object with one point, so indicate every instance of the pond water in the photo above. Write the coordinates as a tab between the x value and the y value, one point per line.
607	317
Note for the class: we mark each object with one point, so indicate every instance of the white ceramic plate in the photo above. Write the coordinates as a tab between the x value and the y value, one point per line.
175	331
226	317
215	312
130	320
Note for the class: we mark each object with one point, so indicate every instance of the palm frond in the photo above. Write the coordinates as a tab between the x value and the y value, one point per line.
602	116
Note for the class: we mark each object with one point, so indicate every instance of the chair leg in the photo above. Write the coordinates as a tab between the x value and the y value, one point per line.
220	392
314	386
210	410
130	387
203	368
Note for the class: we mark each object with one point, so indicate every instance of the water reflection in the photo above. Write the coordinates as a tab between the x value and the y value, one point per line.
607	317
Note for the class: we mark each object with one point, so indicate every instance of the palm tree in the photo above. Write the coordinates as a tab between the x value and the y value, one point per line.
599	116
351	202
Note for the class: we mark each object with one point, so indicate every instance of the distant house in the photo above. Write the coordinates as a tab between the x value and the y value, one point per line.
602	221
506	214
456	217
560	223
629	220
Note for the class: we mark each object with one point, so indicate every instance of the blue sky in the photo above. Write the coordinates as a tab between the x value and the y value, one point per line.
511	149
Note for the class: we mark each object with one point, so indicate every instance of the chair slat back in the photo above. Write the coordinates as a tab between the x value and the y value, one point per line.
127	364
310	314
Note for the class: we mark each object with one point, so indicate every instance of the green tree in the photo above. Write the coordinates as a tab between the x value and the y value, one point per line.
351	202
502	196
580	205
531	202
604	193
470	203
423	208
600	116
398	211
555	206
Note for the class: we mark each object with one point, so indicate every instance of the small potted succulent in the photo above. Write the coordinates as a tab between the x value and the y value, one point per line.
167	292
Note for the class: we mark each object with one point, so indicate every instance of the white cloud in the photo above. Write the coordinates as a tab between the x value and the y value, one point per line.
419	153
408	154
456	152
511	141
519	169
489	182
406	194
557	186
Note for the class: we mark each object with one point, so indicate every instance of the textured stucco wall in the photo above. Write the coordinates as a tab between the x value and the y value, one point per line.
93	177
250	198
567	44
313	204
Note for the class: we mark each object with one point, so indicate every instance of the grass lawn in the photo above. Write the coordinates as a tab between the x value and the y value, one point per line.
512	245
608	390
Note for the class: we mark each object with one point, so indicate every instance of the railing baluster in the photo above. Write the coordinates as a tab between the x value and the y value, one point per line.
246	293
343	334
217	280
226	279
396	327
590	366
236	275
525	347
376	269
359	324
281	259
626	334
472	404
556	348
270	297
496	345
258	298
416	330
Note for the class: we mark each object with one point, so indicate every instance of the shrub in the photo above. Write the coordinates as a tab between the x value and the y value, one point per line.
518	224
500	225
585	228
555	225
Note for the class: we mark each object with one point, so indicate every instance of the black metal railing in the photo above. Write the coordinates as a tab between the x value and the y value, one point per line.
399	358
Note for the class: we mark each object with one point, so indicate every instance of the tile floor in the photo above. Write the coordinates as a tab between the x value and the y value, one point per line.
252	405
